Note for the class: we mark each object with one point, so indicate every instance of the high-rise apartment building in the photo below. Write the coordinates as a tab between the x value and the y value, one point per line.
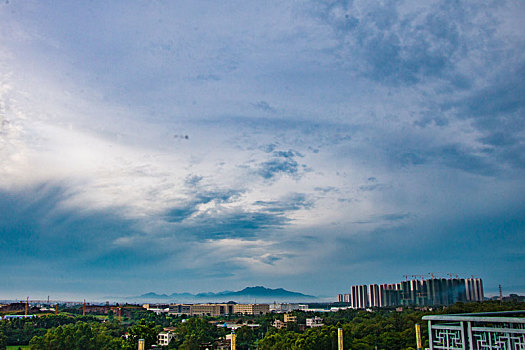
375	299
359	297
474	289
418	292
346	298
343	298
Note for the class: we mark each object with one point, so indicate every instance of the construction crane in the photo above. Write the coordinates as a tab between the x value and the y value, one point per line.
119	311
27	305
416	276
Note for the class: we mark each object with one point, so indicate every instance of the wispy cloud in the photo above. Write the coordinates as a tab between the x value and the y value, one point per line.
246	142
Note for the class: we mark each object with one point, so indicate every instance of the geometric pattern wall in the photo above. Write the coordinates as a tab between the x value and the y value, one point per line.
490	331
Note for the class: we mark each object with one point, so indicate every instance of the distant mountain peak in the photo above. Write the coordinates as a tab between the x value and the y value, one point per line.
259	292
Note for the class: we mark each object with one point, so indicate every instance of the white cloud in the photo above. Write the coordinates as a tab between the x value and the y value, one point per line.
122	110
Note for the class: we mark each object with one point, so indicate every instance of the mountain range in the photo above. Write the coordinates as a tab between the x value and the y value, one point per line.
258	293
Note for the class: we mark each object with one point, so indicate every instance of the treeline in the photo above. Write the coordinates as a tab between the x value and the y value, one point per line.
381	329
94	335
20	331
362	330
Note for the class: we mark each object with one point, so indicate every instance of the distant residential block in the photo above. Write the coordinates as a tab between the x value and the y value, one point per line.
359	296
346	298
417	292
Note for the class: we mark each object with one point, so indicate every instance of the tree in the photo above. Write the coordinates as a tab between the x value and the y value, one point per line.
142	330
194	332
244	337
80	335
3	341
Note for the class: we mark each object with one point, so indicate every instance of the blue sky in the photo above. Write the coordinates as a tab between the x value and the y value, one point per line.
175	146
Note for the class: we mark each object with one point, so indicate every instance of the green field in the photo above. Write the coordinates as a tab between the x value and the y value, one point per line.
16	347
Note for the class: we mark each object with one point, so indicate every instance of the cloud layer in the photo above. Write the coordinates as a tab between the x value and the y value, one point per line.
202	146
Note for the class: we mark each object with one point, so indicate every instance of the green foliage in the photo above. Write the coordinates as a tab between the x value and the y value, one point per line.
318	338
143	330
195	331
80	335
384	329
3	341
245	338
160	320
21	330
362	330
486	306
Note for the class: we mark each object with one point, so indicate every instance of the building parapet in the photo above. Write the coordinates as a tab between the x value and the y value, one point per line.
481	331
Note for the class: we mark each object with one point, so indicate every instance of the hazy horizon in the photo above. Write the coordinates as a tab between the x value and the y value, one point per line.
206	146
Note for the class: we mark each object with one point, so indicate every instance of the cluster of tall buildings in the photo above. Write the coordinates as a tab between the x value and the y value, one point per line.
415	292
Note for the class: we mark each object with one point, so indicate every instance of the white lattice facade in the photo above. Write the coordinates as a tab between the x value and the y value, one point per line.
494	331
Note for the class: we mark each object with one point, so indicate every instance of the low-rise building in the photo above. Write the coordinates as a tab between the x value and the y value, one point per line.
164	338
278	324
287	307
251	309
156	308
179	309
206	310
289	318
218	309
314	322
234	326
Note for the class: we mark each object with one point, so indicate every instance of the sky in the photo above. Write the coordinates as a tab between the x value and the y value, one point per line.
189	146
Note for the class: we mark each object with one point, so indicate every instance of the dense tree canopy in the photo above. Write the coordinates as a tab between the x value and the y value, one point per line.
78	336
143	330
193	332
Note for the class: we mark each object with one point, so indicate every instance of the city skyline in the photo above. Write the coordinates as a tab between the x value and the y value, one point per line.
422	292
208	146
